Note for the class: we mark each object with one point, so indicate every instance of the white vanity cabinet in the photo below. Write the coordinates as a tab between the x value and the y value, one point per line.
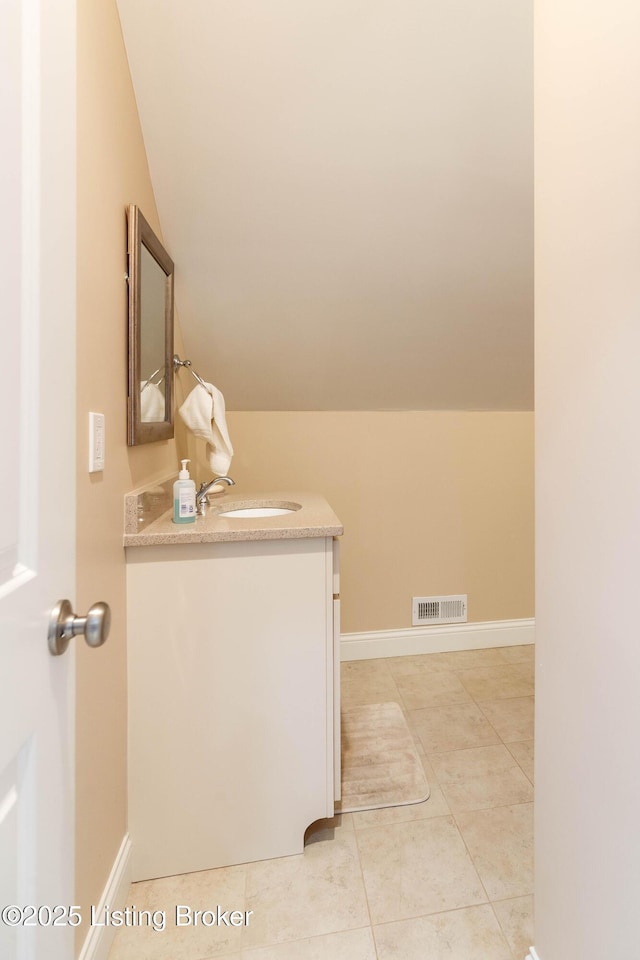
233	701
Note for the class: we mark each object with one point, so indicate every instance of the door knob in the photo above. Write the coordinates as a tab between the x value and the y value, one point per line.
64	624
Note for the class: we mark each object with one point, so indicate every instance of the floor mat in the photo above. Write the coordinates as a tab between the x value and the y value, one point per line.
380	764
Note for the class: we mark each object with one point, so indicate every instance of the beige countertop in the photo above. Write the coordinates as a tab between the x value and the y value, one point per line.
148	518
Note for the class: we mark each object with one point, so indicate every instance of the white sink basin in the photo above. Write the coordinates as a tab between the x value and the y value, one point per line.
257	512
262	508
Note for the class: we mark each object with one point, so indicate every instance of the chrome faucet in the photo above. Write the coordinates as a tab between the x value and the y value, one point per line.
203	490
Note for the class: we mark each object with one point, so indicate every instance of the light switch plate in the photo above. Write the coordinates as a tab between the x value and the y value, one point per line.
96	442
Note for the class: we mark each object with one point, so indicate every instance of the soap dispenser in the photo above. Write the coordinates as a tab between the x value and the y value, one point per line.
184	497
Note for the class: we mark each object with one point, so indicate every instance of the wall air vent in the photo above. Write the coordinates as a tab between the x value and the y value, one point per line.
427	610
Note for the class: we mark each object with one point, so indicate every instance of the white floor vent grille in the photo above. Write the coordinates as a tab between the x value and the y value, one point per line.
439	610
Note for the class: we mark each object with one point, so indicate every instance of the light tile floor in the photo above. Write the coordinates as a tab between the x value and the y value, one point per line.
447	879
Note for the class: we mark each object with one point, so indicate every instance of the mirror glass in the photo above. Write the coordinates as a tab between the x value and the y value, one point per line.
150	407
152	368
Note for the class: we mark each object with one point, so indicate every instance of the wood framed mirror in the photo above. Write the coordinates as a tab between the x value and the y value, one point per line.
150	380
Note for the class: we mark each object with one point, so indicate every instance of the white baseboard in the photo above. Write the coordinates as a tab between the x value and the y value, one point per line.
441	639
99	939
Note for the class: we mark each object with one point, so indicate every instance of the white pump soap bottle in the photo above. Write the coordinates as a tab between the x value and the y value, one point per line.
184	497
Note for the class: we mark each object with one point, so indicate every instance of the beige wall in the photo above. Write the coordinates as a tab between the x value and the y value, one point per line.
587	478
112	172
432	502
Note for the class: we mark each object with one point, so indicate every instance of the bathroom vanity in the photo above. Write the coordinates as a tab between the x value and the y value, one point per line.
233	659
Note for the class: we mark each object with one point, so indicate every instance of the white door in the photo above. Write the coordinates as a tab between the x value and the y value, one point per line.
37	456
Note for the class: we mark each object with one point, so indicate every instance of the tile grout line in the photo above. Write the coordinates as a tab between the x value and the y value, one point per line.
364	887
517	761
501	928
473	862
282	943
472	906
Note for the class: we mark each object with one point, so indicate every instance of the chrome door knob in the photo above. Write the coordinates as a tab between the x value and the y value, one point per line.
64	624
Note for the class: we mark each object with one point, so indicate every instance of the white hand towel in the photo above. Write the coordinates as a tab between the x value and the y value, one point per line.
204	413
152	404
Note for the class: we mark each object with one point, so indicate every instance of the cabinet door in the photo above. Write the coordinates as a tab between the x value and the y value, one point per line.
229	666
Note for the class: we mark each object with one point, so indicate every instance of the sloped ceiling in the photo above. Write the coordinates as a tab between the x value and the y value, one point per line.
346	189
